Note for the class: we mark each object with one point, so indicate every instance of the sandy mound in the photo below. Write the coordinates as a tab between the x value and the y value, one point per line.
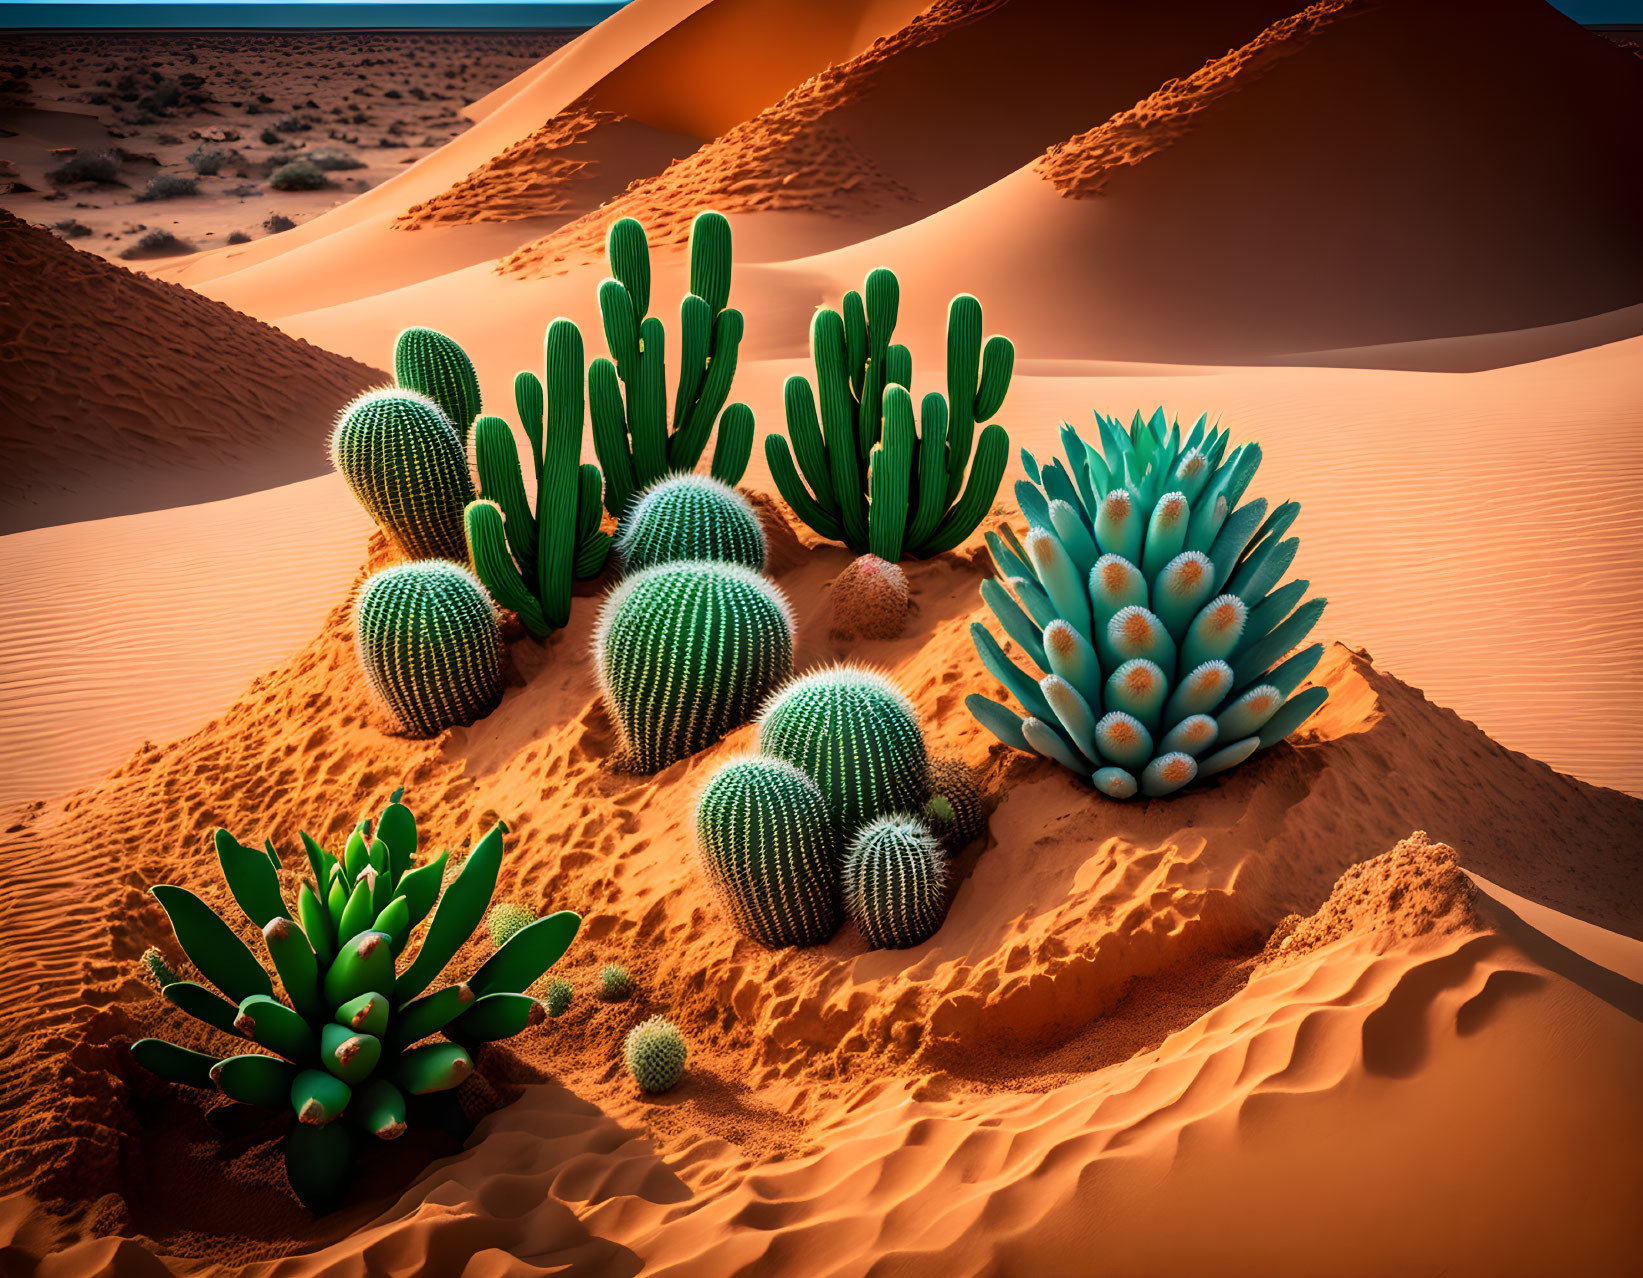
140	394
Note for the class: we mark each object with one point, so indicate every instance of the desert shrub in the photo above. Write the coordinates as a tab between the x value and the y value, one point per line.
290	124
274	223
157	243
168	186
161	98
330	161
238	237
71	230
299	175
269	138
208	161
90	166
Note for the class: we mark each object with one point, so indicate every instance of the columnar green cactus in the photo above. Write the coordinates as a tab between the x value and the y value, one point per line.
1148	597
687	517
895	882
433	365
655	1054
854	733
404	462
686	652
528	558
628	392
429	642
345	1048
615	985
876	481
770	851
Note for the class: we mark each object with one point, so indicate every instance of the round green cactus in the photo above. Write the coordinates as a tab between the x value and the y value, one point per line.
655	1053
769	849
854	733
557	996
895	882
955	810
433	365
430	645
406	465
506	918
686	652
615	984
685	517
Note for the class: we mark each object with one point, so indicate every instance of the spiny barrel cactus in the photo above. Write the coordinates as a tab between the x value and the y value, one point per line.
655	1053
506	918
870	599
527	557
433	365
628	392
615	984
687	517
770	851
854	733
686	652
955	810
895	882
429	642
351	1045
557	996
404	462
876	481
1149	599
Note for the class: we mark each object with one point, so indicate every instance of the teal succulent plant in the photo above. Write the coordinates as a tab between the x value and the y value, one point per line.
895	882
872	477
359	1035
1149	599
655	1053
684	517
431	364
627	393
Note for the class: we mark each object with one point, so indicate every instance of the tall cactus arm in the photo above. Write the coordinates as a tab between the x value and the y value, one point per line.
610	437
734	445
992	455
561	467
794	492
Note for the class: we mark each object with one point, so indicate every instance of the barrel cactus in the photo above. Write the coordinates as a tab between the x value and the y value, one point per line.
685	653
506	918
770	851
854	733
895	882
872	477
1149	599
431	364
870	599
557	996
528	557
955	810
655	1053
627	393
430	645
358	1036
687	517
615	983
404	462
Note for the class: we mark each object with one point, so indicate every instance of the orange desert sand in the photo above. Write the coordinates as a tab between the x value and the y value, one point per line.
1370	1004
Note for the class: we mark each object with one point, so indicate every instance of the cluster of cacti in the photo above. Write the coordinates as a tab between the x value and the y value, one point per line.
691	517
345	1048
870	599
655	1054
1150	600
686	652
895	882
615	984
954	810
627	393
431	364
557	996
506	918
405	463
528	557
878	481
430	645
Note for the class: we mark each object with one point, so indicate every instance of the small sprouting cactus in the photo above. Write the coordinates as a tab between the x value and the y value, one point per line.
429	642
870	599
685	517
954	810
557	996
770	852
856	735
405	464
506	918
159	971
615	985
433	365
685	653
895	882
655	1053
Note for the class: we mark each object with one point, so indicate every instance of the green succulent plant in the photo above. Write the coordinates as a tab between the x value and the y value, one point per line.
627	393
359	1034
1149	598
528	557
557	996
655	1053
431	364
686	517
895	882
872	477
615	985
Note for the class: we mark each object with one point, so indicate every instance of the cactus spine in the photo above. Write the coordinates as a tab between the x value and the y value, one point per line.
428	640
866	474
431	364
404	463
655	1053
895	882
627	393
686	652
687	517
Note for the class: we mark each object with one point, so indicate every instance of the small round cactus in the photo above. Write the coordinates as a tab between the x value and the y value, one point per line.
405	463
954	810
686	652
506	918
895	882
159	971
557	996
655	1053
430	645
870	599
433	365
685	517
854	733
769	849
615	985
